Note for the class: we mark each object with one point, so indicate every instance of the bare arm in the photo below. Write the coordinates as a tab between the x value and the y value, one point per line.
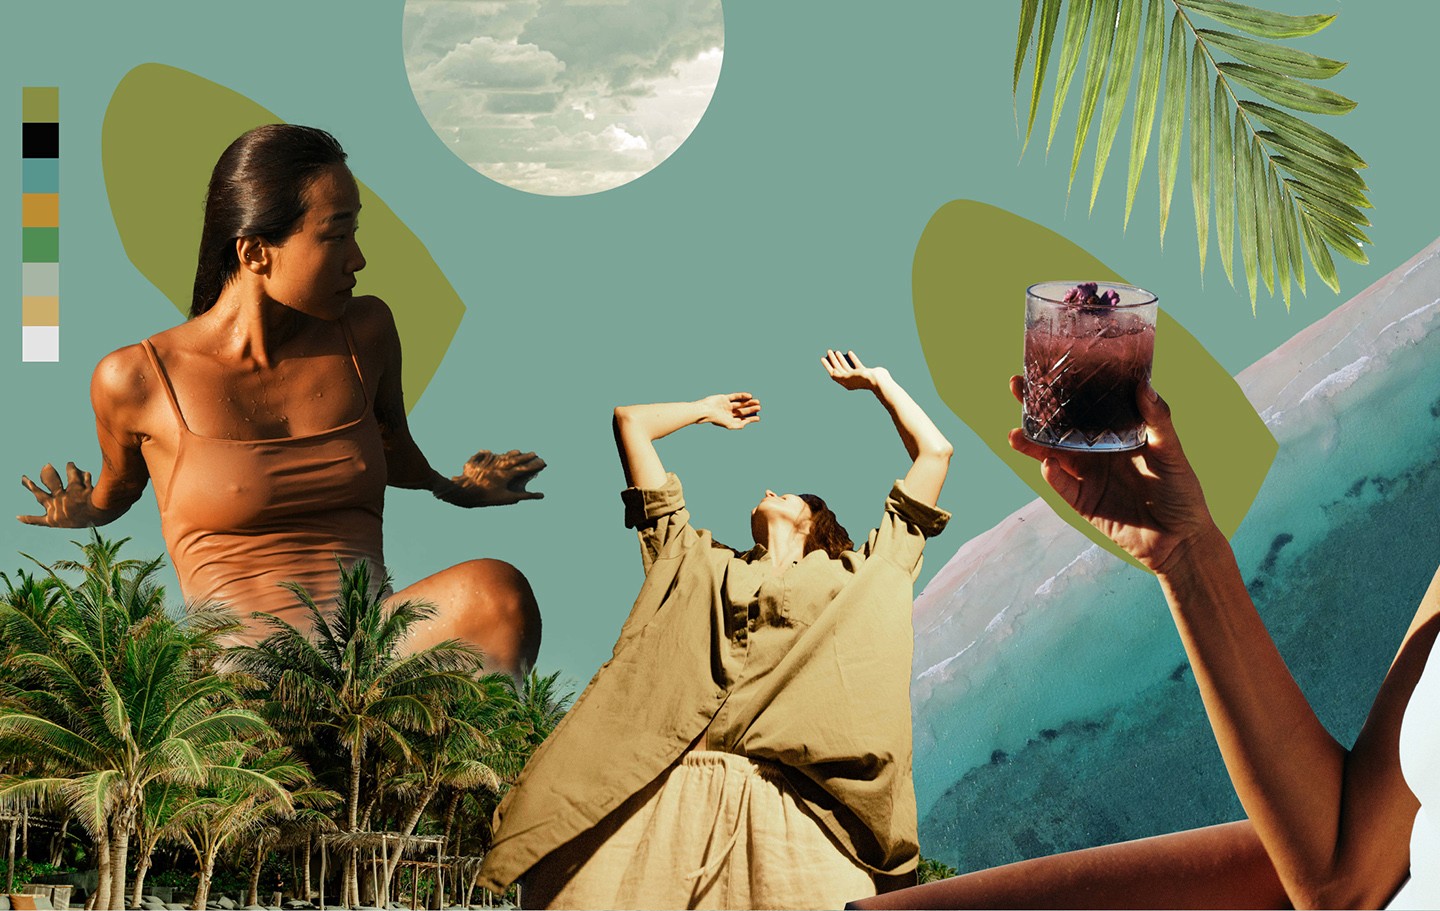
928	449
487	478
118	394
1335	822
637	427
1216	867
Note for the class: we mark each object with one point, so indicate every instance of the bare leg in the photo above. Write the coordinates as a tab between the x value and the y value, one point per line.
1221	866
487	603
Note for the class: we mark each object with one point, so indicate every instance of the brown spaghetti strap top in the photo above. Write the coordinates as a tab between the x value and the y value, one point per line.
240	517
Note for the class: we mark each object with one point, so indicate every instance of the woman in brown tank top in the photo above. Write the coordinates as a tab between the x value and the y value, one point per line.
273	419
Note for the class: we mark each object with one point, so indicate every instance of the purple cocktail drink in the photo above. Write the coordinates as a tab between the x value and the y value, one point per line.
1088	349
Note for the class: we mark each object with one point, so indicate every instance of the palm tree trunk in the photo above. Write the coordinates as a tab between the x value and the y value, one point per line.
202	888
253	896
347	883
410	822
309	850
355	877
142	866
440	875
451	807
375	881
102	864
57	846
10	861
119	849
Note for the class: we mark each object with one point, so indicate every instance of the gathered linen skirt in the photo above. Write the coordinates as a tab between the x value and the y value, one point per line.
717	830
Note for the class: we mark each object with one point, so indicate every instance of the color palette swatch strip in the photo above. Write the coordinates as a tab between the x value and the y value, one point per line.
40	224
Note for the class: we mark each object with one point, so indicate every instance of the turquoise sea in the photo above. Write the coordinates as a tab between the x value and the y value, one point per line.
1073	718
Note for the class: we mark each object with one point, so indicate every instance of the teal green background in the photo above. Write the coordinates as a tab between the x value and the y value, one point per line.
786	224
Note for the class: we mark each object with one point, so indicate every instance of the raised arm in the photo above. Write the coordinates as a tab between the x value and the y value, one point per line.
929	450
637	427
487	478
118	395
1336	823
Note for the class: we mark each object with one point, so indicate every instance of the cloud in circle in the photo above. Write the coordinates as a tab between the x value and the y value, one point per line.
563	97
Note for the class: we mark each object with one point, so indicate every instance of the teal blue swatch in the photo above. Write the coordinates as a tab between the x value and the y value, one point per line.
40	175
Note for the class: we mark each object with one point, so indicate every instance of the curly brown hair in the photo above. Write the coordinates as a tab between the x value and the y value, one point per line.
826	532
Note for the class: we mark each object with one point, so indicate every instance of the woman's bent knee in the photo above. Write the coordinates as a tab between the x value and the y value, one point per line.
488	603
498	612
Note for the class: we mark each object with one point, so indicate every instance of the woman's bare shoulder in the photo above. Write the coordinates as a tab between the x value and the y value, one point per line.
370	317
124	379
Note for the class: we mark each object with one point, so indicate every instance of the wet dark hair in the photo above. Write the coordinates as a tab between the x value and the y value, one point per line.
826	532
257	190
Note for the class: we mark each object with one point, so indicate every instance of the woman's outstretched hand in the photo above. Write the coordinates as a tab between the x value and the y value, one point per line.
1147	500
67	504
493	479
927	447
847	370
731	411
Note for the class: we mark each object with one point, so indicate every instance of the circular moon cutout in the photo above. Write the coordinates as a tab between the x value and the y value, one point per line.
563	97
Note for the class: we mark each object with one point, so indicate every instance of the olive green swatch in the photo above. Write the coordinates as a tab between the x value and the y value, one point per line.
156	177
40	104
972	266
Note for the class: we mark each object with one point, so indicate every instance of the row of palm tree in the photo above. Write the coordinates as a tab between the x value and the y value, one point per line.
138	724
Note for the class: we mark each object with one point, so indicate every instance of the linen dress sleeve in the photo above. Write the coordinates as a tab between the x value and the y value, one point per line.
901	535
660	517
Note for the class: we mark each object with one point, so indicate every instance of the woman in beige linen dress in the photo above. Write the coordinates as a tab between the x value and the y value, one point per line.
748	744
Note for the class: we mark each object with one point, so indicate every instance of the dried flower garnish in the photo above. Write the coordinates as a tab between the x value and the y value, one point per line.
1085	294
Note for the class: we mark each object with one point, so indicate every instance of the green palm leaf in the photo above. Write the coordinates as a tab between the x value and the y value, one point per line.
1224	185
1127	37
1286	183
1049	15
1344	185
1200	149
1277	224
1171	119
1245	205
1292	93
1260	187
1095	64
1076	19
1274	57
1303	137
1259	22
1146	94
1027	23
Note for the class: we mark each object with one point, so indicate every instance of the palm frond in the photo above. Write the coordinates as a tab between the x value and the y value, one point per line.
1287	184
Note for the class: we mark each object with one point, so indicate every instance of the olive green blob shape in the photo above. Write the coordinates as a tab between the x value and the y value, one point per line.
972	266
164	130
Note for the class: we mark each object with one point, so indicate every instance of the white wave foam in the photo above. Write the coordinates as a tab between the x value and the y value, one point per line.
1409	316
937	668
1338	381
1049	583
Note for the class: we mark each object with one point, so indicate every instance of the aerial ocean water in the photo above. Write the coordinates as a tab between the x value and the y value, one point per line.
1054	707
